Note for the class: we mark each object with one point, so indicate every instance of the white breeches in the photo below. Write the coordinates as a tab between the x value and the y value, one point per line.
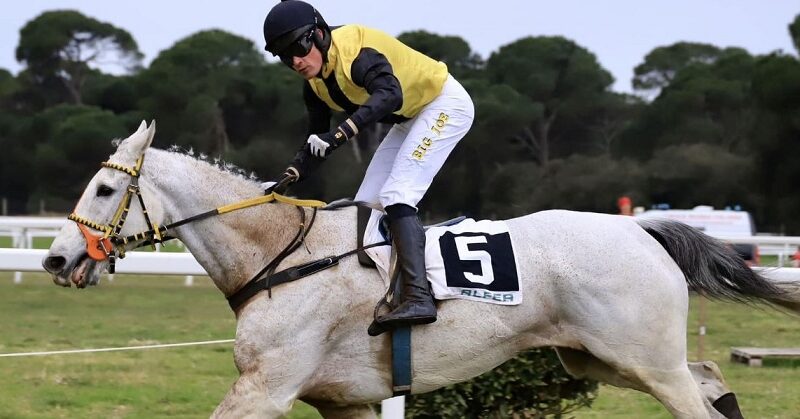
405	163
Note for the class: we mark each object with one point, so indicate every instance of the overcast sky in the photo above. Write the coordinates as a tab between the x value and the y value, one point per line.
619	32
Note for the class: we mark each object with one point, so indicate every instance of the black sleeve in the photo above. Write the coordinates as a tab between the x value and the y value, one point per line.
319	121
372	71
319	114
305	162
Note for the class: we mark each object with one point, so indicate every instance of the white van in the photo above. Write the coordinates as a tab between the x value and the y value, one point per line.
715	223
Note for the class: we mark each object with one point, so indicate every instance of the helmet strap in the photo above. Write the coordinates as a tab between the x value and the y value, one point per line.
323	43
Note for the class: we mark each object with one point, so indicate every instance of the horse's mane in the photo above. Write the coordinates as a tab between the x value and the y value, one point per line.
231	169
214	163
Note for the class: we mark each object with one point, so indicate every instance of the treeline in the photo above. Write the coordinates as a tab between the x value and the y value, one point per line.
720	126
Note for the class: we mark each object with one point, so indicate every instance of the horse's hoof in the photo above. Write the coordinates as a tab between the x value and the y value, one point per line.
376	329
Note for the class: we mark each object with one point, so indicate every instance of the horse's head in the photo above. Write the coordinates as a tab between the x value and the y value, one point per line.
84	247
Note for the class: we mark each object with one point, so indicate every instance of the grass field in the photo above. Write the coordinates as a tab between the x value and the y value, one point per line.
188	382
181	382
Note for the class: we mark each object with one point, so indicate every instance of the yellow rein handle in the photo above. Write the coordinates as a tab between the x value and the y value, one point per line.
311	203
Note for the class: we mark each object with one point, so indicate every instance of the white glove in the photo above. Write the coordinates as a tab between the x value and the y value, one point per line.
319	147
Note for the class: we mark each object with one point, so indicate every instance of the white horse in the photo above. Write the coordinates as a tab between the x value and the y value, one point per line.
609	292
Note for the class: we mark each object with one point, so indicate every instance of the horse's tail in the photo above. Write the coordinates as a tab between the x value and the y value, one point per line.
711	267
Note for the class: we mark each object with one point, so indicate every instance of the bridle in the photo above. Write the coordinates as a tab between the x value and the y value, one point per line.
112	245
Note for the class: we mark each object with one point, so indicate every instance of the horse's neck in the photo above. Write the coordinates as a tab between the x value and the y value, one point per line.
231	247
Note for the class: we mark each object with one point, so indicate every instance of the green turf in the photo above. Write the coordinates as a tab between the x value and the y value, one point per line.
176	382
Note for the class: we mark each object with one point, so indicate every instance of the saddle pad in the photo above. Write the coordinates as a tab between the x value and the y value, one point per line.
472	260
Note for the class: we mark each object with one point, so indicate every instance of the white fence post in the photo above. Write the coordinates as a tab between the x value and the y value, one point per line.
393	408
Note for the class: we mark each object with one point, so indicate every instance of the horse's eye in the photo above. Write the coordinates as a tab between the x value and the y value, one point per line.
104	190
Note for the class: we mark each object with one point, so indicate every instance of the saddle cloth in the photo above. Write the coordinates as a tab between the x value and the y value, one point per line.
471	260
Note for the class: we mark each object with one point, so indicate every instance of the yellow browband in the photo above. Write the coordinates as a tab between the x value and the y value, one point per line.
121	168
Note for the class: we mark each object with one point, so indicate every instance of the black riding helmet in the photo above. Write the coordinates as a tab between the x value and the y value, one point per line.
290	28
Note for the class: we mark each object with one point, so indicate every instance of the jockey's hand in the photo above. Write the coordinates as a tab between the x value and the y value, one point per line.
282	183
321	145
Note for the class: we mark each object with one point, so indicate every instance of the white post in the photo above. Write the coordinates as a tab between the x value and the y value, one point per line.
19	243
393	408
189	281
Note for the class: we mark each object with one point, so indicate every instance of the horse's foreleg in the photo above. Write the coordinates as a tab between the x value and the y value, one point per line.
249	398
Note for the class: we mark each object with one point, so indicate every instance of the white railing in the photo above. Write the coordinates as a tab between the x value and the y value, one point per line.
141	263
24	229
784	247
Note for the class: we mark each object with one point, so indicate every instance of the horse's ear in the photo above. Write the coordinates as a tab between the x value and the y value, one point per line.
151	133
135	145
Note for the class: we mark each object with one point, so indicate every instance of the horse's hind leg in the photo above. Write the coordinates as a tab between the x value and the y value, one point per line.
347	412
582	364
712	385
676	389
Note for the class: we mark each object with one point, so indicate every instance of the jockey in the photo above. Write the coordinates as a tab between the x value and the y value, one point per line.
373	77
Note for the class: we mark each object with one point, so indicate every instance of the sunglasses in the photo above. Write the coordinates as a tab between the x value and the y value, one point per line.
299	48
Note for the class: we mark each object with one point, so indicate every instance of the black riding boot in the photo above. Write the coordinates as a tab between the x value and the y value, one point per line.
408	236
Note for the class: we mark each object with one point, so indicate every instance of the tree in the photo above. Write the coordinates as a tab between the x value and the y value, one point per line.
8	84
704	103
700	174
65	45
662	64
563	79
453	50
578	182
211	75
615	114
794	32
77	139
776	87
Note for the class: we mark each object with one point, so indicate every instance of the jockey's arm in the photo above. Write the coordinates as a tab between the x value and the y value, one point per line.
370	70
374	73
